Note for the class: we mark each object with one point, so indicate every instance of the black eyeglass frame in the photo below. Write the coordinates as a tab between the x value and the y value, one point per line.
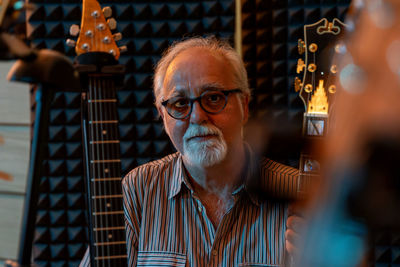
192	100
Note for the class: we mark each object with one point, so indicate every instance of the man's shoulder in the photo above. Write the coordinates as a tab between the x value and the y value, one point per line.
273	167
152	169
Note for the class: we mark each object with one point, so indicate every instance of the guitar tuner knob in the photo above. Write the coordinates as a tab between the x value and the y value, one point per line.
297	84
107	11
117	36
123	48
112	23
74	30
70	43
301	46
332	89
300	65
334	69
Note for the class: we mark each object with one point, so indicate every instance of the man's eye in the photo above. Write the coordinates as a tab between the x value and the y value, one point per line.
214	98
180	103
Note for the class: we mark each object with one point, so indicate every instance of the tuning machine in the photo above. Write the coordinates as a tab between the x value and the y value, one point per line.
112	23
301	46
300	65
73	31
123	49
297	84
117	36
107	12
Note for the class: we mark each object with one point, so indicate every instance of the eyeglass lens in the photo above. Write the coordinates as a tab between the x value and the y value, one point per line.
210	101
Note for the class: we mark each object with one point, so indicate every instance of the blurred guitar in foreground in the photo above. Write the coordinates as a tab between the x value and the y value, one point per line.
360	193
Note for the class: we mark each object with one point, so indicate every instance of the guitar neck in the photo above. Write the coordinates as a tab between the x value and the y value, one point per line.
108	245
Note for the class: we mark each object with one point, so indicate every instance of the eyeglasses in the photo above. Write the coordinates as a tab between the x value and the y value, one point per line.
211	101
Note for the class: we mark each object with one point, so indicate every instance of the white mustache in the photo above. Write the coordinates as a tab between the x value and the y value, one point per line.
195	130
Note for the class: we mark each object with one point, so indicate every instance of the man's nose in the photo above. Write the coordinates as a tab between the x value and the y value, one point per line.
198	115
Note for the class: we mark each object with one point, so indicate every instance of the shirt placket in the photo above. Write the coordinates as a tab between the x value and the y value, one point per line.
217	255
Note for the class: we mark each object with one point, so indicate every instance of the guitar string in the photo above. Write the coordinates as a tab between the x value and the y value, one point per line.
105	165
96	167
120	220
111	95
92	166
105	90
103	168
108	174
115	155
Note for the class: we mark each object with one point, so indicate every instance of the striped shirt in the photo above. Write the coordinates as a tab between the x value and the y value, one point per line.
167	225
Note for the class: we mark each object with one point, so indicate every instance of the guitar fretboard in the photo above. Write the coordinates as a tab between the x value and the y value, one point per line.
104	165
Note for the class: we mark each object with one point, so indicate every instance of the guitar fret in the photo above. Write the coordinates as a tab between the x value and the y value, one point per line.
109	228
105	161
109	243
96	122
106	179
106	196
104	142
111	257
108	212
102	100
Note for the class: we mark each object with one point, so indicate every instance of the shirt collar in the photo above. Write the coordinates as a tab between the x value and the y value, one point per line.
179	177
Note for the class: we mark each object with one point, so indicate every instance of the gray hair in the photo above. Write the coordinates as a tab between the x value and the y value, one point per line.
221	47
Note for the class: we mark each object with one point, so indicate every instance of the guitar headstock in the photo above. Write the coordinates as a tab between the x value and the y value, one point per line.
317	88
95	31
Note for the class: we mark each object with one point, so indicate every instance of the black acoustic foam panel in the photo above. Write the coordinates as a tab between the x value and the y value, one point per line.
148	27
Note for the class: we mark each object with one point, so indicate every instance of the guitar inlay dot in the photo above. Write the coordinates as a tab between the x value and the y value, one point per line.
108	205
106	170
110	236
104	132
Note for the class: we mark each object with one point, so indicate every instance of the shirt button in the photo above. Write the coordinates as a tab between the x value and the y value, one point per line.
214	252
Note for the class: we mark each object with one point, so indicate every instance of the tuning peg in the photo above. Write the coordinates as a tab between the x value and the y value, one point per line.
117	36
70	43
107	11
300	65
301	46
112	23
74	30
123	48
297	84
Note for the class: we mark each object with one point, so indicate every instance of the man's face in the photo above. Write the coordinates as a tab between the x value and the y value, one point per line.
192	72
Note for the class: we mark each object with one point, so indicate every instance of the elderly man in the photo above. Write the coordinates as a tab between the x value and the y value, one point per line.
193	207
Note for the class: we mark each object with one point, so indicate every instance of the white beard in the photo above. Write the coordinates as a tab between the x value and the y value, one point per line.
204	153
